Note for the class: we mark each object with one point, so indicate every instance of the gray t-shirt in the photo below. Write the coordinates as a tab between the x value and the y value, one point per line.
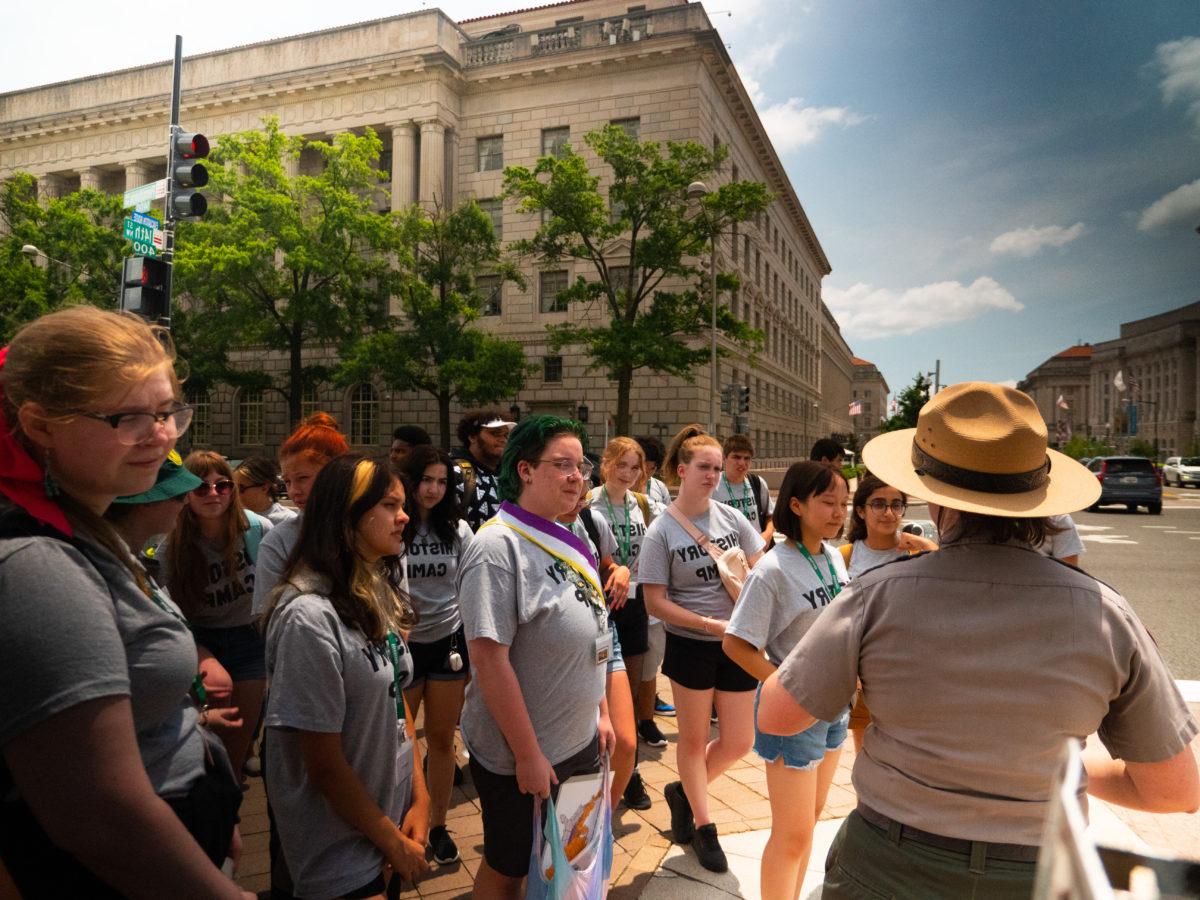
608	543
669	556
864	558
327	677
744	497
273	553
277	513
514	594
783	597
1066	542
660	496
77	628
977	663
627	527
432	567
228	591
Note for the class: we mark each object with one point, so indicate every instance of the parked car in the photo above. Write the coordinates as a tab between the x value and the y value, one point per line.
1131	480
1182	471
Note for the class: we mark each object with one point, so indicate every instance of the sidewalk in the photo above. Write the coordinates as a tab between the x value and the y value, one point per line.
646	864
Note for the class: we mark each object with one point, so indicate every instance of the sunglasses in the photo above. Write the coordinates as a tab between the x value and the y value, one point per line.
220	488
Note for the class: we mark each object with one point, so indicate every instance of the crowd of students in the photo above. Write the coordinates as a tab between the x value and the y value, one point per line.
162	612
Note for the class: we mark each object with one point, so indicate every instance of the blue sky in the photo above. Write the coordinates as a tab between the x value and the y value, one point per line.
991	181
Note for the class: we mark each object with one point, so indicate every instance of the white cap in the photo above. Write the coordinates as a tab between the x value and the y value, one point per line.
498	423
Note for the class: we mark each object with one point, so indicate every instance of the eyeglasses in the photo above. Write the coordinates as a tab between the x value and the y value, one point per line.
569	468
220	488
133	428
881	506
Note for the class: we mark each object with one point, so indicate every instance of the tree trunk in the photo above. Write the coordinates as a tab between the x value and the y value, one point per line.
295	376
443	399
624	384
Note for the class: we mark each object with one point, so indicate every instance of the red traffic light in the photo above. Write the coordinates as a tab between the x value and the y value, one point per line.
191	146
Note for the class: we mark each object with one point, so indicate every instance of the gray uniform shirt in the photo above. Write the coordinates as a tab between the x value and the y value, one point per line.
277	513
327	677
228	592
864	558
977	663
627	527
77	628
432	568
669	556
514	595
1064	543
273	553
783	597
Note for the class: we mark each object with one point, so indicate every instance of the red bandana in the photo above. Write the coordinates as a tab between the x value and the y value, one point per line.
22	480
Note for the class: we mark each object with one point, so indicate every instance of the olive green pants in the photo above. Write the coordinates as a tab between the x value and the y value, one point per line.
864	862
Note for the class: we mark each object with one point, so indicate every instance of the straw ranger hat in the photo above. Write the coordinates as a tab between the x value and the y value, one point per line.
981	448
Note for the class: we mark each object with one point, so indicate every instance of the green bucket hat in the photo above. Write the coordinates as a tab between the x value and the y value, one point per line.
173	481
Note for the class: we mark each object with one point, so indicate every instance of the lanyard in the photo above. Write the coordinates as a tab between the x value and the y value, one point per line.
837	586
622	543
197	681
393	645
745	496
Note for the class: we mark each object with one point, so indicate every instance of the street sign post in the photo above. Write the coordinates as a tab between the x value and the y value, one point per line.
140	198
147	237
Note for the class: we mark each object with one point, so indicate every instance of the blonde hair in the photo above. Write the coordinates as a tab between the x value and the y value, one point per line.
187	568
683	447
75	360
617	448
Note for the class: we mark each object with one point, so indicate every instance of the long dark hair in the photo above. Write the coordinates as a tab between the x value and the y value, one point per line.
802	480
445	516
365	596
867	485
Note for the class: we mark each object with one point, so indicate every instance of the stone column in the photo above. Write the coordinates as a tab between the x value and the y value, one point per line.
451	167
49	187
433	163
291	165
137	173
404	162
89	178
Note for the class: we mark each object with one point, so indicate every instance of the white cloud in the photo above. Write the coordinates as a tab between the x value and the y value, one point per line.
1026	242
1179	63
868	312
1180	207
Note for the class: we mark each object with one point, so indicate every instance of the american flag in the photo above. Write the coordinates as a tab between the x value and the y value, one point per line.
1062	403
856	408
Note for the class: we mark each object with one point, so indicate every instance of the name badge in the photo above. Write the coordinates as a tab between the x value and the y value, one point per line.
604	648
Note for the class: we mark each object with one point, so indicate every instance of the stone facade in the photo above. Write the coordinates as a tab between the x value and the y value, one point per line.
1159	361
454	103
871	388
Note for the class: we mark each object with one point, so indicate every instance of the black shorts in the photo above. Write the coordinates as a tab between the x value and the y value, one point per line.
702	665
508	814
632	625
375	887
432	660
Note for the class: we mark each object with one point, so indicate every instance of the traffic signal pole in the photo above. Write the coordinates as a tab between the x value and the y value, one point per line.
169	211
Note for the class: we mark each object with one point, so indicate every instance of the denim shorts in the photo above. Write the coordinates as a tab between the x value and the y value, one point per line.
242	650
616	660
805	750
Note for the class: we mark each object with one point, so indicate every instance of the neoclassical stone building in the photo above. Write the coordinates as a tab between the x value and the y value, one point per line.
871	388
454	103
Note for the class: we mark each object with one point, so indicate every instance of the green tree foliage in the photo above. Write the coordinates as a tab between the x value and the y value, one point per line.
1081	446
1142	447
431	347
82	231
639	244
284	263
908	404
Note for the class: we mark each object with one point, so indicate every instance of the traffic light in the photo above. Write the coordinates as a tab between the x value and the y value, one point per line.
727	398
143	287
743	398
187	174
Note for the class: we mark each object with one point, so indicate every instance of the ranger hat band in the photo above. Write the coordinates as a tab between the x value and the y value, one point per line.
982	448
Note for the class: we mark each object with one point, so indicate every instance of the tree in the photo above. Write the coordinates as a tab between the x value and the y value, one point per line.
642	246
431	347
285	262
82	231
908	404
1080	446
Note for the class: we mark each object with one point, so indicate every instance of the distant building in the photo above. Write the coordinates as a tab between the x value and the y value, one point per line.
1061	387
871	390
454	103
837	382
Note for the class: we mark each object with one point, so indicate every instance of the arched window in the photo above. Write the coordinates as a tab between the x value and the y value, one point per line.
249	409
200	433
364	415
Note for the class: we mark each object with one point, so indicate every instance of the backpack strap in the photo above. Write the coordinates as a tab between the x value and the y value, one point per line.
590	526
253	536
643	503
846	550
761	498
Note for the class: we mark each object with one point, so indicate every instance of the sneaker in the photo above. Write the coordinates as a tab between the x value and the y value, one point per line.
635	796
650	734
252	766
683	826
663	709
445	851
708	849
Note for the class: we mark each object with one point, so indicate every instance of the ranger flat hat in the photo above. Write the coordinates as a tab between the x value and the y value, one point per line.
981	448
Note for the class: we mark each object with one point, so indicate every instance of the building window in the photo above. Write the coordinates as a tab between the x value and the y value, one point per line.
550	284
555	141
250	418
201	430
552	369
489	152
495	210
631	127
309	403
489	287
364	415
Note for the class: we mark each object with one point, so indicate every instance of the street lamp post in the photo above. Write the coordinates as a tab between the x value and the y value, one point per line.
35	252
696	191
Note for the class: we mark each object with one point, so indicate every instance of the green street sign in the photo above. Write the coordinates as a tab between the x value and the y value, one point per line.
147	241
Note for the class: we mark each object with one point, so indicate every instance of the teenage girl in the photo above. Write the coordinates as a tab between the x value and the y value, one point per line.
683	588
783	597
435	537
257	478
